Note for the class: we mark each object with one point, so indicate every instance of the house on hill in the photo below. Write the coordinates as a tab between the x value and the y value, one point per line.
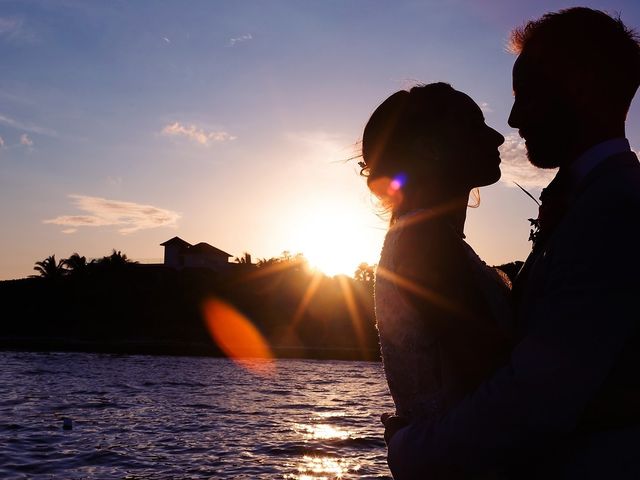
173	252
179	254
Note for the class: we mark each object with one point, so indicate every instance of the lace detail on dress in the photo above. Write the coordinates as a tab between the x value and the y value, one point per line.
411	358
495	286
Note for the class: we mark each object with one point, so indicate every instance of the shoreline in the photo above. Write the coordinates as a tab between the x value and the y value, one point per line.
182	349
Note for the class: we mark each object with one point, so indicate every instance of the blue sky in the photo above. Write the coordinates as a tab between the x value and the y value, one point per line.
126	123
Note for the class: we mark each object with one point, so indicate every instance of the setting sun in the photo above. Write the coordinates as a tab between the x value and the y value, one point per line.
335	239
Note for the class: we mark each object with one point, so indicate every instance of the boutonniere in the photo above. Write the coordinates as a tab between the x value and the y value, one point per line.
534	233
534	223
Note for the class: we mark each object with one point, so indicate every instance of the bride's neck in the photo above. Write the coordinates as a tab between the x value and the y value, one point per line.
451	209
458	215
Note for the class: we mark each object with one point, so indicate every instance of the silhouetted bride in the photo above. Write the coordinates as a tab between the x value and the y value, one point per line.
442	314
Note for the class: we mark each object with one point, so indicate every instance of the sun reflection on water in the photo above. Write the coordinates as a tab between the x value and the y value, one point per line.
322	431
322	468
330	414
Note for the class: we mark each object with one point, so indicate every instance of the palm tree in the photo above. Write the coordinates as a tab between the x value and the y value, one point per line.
244	259
49	268
365	273
119	258
266	262
116	259
76	264
285	258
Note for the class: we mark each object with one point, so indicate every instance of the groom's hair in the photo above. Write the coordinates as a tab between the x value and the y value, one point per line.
580	46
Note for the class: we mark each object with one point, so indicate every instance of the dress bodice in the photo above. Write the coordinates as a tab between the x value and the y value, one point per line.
411	352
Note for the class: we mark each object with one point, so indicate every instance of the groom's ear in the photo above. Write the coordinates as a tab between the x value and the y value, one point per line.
592	99
578	90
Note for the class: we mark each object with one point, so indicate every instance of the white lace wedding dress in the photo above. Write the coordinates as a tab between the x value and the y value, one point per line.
410	354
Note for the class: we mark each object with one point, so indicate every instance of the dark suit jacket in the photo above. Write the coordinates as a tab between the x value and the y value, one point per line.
550	412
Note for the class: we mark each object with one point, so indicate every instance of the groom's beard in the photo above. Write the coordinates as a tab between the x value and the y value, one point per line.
551	139
545	154
551	146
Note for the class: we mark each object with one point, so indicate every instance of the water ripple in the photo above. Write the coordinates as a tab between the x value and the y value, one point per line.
142	417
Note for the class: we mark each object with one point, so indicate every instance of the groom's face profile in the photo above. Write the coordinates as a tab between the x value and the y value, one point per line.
541	113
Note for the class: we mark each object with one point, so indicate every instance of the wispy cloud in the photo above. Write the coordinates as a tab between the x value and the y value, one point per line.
29	127
325	143
485	107
25	140
9	25
114	181
516	167
320	148
166	40
196	134
242	38
14	30
128	216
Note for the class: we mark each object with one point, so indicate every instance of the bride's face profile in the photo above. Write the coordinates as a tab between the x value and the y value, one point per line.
469	146
428	145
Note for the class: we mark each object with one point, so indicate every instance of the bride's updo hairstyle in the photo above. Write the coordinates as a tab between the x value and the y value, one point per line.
401	144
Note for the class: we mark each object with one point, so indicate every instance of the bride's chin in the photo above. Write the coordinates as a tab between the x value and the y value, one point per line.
491	179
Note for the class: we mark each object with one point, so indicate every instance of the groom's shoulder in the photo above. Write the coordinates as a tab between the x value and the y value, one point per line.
604	216
615	187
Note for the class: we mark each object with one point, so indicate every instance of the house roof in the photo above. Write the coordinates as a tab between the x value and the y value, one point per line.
203	248
175	241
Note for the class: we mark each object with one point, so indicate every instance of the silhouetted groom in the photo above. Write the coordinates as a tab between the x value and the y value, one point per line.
567	405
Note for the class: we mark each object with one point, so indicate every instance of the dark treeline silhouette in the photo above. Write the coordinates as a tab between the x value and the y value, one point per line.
77	265
115	305
511	268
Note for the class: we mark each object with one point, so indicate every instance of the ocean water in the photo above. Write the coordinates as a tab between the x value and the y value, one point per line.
139	417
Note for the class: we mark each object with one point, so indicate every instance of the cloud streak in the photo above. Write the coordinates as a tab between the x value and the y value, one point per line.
29	127
516	167
25	140
323	147
242	38
113	181
196	134
486	108
9	25
14	30
129	217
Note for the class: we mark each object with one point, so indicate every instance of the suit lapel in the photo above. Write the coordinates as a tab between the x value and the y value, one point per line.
526	276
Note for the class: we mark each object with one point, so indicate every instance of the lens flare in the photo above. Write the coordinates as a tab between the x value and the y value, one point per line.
389	190
397	183
354	313
237	337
